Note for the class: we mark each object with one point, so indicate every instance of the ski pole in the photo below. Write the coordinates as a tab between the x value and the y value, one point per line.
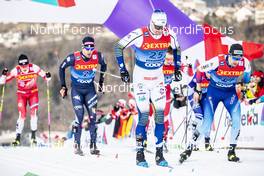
181	123
223	137
219	123
48	98
115	76
2	101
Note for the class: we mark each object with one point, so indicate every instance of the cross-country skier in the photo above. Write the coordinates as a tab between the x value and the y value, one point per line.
150	44
26	74
83	66
224	71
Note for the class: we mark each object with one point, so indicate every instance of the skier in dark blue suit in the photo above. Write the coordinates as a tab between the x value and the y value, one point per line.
83	65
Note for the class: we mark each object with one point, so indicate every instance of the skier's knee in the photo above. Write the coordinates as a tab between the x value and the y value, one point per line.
143	120
159	117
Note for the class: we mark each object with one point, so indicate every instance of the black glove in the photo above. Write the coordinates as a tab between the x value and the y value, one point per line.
100	89
48	75
125	76
252	101
63	91
4	72
177	75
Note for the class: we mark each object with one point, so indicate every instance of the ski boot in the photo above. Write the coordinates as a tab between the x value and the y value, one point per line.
195	148
16	141
93	149
160	160
33	142
140	157
207	145
231	155
78	150
186	154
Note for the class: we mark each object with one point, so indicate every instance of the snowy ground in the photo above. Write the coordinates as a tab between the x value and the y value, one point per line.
118	158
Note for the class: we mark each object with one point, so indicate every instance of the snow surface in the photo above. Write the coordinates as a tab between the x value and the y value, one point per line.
118	158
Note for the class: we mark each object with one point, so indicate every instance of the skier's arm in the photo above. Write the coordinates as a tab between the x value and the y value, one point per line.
69	61
6	77
198	90
247	72
103	66
134	37
176	56
176	50
209	65
41	72
102	70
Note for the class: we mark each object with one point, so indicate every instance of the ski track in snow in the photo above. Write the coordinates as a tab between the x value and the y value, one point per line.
119	159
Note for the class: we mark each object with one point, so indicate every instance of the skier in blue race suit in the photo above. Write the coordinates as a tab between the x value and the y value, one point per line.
83	65
224	71
150	44
197	101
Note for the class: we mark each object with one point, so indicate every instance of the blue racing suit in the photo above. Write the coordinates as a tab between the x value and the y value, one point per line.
83	91
223	78
198	108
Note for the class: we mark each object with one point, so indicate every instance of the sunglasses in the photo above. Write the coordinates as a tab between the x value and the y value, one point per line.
158	27
89	49
236	58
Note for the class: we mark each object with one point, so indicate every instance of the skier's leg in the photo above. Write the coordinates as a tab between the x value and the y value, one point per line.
33	103
158	98
142	102
232	105
77	102
21	103
91	105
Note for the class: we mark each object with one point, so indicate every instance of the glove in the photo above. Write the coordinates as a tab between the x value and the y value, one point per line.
4	72
252	101
177	75
48	75
100	89
63	91
125	76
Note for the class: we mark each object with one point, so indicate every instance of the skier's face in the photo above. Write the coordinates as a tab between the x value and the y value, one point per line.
87	51
24	68
157	30
234	60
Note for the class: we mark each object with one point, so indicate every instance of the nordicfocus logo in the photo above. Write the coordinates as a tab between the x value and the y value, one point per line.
60	3
250	118
154	65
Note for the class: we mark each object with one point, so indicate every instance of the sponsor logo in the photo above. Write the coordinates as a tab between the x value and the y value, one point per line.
250	118
158	64
229	73
85	67
155	46
94	57
168	72
78	107
141	98
24	77
84	81
204	85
